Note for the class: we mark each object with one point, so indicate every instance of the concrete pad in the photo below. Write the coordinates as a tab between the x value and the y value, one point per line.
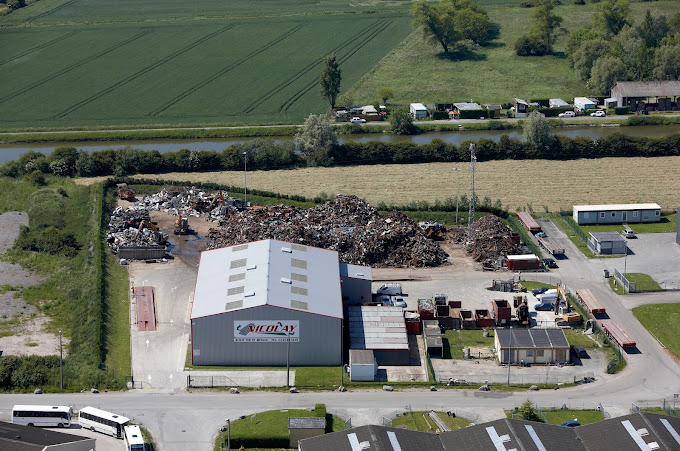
240	378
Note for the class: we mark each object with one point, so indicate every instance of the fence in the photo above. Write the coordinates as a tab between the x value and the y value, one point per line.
210	382
624	282
501	378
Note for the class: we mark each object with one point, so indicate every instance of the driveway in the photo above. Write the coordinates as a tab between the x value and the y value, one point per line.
655	254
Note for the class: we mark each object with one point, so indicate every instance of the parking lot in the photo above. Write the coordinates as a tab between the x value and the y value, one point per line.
655	254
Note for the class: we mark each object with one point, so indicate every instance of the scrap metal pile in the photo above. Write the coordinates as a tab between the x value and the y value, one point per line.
346	224
191	202
132	227
492	239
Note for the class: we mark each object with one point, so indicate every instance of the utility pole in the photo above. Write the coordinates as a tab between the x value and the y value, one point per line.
471	211
228	435
245	178
510	356
288	359
61	364
457	190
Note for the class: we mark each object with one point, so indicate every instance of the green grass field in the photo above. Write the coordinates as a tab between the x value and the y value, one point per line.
662	320
643	281
100	63
421	421
582	416
456	340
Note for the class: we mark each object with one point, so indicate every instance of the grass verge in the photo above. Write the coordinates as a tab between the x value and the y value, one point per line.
269	429
667	224
586	416
643	282
421	421
659	319
455	340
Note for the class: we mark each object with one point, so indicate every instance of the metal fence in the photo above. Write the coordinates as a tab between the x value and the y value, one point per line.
569	219
210	382
627	285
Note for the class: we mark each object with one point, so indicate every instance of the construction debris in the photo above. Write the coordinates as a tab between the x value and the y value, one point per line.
186	202
492	239
346	224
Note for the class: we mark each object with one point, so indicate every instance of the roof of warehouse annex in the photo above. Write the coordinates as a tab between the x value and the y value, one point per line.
268	272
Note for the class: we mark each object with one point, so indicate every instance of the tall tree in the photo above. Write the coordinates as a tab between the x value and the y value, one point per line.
384	94
546	23
653	29
587	54
537	130
612	16
607	70
667	62
436	22
331	75
316	140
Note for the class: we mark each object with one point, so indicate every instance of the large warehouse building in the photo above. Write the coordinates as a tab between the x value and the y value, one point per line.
254	303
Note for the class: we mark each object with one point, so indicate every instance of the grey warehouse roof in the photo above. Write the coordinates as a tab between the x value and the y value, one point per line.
377	328
467	106
637	431
532	338
648	88
306	423
268	272
18	437
356	271
606	236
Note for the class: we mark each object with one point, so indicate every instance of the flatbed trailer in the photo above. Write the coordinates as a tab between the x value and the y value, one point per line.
616	333
588	299
529	222
549	245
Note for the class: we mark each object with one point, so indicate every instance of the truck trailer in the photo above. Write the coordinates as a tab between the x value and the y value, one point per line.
549	245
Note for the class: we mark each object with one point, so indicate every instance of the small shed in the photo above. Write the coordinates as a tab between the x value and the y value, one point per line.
521	107
362	365
521	262
492	109
533	346
304	427
616	213
607	243
466	110
557	103
418	111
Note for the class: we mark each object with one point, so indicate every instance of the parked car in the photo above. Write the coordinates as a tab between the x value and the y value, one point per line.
390	289
598	114
570	424
357	120
567	114
579	351
545	306
537	291
550	262
398	301
628	233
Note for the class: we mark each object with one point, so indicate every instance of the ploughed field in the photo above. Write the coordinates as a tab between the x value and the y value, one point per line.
102	63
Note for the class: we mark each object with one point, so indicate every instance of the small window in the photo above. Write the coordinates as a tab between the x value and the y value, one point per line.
602	215
613	214
530	352
657	213
635	214
539	352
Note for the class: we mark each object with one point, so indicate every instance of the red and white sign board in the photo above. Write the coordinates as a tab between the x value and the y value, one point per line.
266	331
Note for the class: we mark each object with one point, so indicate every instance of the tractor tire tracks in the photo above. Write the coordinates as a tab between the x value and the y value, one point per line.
38	47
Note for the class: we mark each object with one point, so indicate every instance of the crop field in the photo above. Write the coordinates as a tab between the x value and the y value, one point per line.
539	184
94	64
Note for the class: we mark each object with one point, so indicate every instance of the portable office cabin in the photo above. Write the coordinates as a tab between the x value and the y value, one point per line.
584	103
251	299
616	213
418	111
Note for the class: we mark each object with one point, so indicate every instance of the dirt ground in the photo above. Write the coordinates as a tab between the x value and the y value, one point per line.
18	318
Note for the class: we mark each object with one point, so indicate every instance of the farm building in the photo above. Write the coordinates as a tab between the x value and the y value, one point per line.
642	95
355	283
531	346
557	103
606	243
584	104
616	213
382	330
418	111
362	365
252	298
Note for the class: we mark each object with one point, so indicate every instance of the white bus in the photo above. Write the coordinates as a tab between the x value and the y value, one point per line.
133	438
59	416
102	421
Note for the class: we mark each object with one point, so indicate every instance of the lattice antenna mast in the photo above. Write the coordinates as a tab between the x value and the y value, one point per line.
471	212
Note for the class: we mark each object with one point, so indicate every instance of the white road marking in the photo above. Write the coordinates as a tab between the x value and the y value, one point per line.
147	343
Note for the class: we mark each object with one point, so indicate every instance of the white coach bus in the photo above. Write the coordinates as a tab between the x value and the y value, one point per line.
133	438
102	421
52	416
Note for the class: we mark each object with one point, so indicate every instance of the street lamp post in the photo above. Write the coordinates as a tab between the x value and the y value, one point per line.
245	178
61	364
288	360
510	356
457	190
228	435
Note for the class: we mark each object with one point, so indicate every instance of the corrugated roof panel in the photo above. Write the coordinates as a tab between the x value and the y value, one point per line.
616	207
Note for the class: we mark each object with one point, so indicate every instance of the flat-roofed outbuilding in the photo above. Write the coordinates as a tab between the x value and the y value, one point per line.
616	213
534	346
382	330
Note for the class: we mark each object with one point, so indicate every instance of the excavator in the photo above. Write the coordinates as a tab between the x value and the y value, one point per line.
160	237
182	225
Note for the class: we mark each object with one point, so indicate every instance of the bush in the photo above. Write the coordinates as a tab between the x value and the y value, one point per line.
531	46
439	115
621	110
402	123
320	410
474	114
36	177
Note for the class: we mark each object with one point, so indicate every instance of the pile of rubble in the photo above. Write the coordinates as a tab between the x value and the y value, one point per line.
492	239
347	224
132	227
191	202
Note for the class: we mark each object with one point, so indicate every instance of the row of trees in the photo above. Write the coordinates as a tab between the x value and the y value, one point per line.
265	155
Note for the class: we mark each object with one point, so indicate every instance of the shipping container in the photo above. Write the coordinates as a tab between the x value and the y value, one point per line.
522	262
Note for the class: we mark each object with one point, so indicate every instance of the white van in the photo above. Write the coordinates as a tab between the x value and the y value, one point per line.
391	289
548	296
